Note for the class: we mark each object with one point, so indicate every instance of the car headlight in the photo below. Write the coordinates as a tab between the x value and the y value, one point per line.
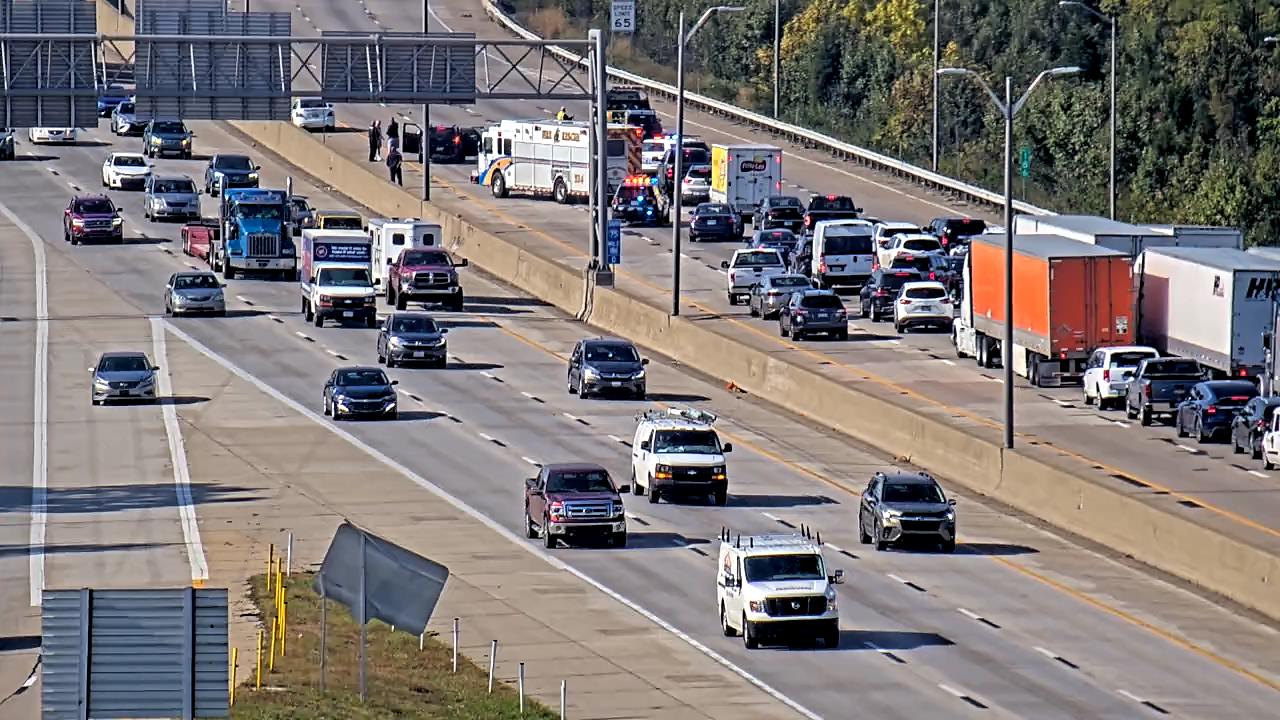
147	381
755	606
951	515
590	374
186	141
395	342
438	342
116	222
155	140
100	383
892	514
718	473
253	176
662	472
639	375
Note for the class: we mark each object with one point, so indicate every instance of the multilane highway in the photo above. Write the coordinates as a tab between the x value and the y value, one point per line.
1018	623
1208	483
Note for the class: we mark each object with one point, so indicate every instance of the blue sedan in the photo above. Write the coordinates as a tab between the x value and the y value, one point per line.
112	96
1210	406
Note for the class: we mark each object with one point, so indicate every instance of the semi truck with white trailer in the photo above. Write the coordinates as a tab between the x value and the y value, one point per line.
1128	238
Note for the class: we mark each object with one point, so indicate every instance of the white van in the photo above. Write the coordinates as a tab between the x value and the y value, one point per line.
392	236
843	252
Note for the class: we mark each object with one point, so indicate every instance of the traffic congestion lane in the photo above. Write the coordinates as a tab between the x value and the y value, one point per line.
285	288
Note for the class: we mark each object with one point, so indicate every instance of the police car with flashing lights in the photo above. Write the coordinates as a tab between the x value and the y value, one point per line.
777	586
640	200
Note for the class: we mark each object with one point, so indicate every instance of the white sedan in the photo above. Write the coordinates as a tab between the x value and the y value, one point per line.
125	170
313	114
44	135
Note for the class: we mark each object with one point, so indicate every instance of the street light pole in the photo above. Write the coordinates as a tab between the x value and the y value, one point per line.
937	38
1110	20
425	138
777	52
1008	109
683	39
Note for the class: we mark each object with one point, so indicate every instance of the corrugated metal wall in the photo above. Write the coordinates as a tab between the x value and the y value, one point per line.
37	66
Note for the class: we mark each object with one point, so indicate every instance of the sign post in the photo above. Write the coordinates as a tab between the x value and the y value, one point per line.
623	16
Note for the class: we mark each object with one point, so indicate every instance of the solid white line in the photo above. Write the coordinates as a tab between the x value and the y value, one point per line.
244	300
1131	696
947	362
530	460
178	458
1188	448
968	613
951	691
403	392
490	523
526	394
1121	424
1047	653
616	439
487	374
1259	473
40	415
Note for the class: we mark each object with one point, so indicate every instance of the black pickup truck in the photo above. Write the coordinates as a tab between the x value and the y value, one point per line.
829	207
1158	386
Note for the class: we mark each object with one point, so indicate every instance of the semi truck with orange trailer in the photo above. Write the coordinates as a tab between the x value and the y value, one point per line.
1070	298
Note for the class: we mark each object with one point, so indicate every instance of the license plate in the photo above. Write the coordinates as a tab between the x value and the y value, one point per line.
836	267
713	222
615	384
262	263
419	354
348	313
927	308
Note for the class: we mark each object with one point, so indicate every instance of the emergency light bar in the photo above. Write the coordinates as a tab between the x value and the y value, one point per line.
639	181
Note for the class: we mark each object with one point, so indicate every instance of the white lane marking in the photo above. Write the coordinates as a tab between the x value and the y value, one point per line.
571	416
530	460
1121	424
833	546
967	613
40	414
488	522
403	392
301	334
951	691
244	300
1060	403
1047	653
178	458
895	577
332	352
771	516
616	439
1131	696
1259	473
1188	448
486	437
947	362
527	394
487	374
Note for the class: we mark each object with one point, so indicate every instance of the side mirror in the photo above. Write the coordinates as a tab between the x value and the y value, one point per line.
644	361
462	263
222	285
728	448
644	445
256	168
951	502
155	368
624	489
444	331
93	369
724	264
837	578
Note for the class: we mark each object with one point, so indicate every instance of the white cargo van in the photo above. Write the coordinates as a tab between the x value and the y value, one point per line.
843	252
392	236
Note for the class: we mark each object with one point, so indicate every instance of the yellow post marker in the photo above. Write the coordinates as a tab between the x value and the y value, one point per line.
235	663
271	656
282	624
257	683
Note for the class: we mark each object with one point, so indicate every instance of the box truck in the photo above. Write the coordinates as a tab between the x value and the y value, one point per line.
336	279
744	175
1211	304
1070	298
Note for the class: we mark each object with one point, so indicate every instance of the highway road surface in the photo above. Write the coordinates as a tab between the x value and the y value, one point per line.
1018	623
1209	483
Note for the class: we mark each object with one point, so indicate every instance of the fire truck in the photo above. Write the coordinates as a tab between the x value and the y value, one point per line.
549	158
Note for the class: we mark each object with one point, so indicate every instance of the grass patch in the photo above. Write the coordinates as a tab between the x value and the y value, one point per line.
402	681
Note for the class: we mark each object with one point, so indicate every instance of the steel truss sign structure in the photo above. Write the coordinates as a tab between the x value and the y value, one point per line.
34	74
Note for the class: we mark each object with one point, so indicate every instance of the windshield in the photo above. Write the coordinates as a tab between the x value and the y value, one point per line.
233	162
784	202
340	223
897	280
311	104
961	228
686	441
589	481
300	205
95	206
129	161
174	186
912	493
125	108
891	232
1173	367
344	277
700	172
651	146
174	127
254	211
778	568
757	259
348	378
195	282
114	90
922	263
921	245
124	363
821	302
695	155
414	325
773	237
611	352
847	245
425	257
791	281
712	209
832	202
1129	359
926	293
1232	394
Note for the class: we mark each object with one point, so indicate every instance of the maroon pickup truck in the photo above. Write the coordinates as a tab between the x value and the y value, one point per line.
574	499
425	275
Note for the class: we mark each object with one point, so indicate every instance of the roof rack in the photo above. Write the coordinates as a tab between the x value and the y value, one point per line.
806	536
704	417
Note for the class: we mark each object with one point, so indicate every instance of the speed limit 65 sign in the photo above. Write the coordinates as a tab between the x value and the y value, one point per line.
624	16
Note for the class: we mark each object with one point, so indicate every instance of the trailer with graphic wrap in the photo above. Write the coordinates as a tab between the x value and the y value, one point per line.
547	158
744	175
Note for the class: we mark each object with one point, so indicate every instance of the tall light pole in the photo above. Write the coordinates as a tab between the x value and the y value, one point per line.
425	138
1008	108
937	39
683	39
1111	20
777	52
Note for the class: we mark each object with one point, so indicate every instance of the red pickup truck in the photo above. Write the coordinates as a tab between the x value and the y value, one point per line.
198	238
571	500
425	275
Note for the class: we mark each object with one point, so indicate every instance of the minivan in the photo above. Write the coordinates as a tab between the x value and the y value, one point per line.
843	252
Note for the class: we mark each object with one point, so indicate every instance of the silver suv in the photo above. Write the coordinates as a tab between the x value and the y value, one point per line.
901	506
171	197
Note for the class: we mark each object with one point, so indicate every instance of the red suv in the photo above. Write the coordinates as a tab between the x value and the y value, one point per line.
92	217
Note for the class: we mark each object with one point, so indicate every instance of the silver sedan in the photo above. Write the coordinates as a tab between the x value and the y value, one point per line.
123	376
194	292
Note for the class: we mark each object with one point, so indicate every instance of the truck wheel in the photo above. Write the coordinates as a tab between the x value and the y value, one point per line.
371	321
721	497
1266	463
530	531
1145	418
548	540
863	537
831	638
1033	371
618	540
401	301
499	186
1128	411
306	310
228	272
635	486
654	494
318	319
455	303
749	638
561	193
390	294
724	624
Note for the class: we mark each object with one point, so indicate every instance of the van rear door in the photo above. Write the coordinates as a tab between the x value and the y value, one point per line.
847	252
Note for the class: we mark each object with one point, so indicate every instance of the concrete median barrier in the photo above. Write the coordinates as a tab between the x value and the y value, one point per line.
1033	480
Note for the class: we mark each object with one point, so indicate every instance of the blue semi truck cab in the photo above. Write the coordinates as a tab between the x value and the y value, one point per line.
257	234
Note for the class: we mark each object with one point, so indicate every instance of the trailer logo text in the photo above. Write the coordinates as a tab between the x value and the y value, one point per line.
1261	288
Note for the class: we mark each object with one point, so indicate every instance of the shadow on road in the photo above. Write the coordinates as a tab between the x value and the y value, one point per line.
75	548
779	501
994	549
116	498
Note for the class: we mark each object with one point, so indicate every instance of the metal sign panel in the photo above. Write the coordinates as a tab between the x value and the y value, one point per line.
38	77
367	69
144	653
623	16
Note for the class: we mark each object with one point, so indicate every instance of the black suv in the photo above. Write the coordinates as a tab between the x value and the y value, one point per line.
954	232
900	506
780	211
601	365
881	291
408	337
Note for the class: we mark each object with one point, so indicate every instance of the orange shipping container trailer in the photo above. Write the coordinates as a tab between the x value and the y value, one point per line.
1070	298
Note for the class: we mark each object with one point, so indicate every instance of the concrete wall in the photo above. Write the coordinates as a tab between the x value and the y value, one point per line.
973	459
111	21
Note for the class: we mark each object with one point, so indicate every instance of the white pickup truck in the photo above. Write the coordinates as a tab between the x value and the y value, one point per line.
747	268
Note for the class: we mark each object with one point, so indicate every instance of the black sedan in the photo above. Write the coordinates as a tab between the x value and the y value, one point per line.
360	391
881	291
1210	406
714	221
412	337
780	211
784	241
1251	423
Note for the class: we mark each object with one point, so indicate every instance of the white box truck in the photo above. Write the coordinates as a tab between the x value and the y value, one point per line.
336	281
744	175
1210	304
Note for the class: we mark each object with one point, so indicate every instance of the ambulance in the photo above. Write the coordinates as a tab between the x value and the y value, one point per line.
548	158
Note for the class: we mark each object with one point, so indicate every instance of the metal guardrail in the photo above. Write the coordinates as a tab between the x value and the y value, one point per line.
794	133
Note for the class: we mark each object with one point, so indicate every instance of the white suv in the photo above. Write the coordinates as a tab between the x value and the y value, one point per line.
923	303
887	231
1107	375
907	245
747	268
769	586
678	452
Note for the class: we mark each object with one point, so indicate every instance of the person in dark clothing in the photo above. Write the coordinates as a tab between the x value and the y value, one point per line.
375	141
393	130
394	161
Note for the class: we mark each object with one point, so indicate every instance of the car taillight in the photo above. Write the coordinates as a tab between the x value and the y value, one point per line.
1106	375
822	266
807	220
1147	391
945	301
933	276
1262	424
880	293
905	301
1211	410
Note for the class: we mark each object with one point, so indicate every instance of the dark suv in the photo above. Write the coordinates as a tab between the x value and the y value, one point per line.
408	337
227	171
955	232
900	506
881	292
780	211
92	217
601	365
574	499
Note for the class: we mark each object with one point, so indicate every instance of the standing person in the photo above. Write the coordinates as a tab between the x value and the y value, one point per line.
393	165
375	141
393	131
